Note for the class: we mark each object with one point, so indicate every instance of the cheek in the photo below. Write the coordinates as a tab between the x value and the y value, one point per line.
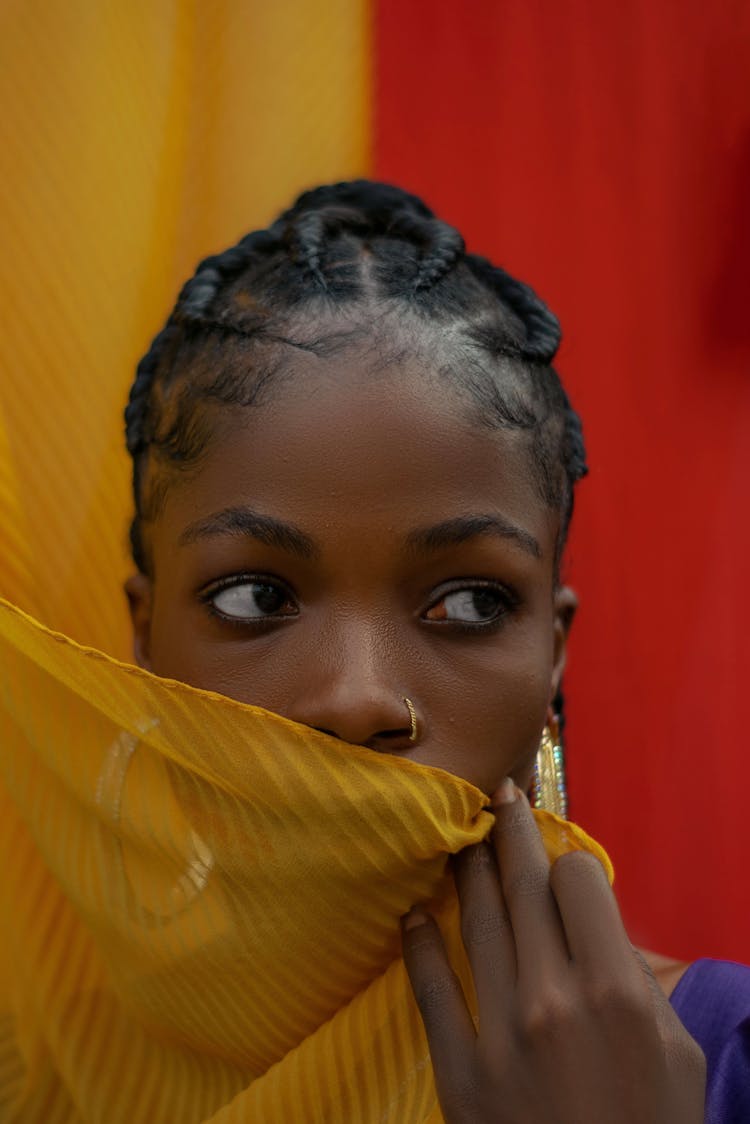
210	667
486	706
511	737
265	671
181	650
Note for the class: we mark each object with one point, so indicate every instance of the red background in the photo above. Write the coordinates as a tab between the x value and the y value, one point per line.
602	152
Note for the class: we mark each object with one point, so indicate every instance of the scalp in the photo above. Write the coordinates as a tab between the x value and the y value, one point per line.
362	266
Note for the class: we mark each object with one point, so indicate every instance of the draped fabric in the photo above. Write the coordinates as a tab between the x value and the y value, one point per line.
201	902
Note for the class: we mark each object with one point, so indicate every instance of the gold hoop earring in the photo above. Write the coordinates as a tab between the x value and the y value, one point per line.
413	727
548	790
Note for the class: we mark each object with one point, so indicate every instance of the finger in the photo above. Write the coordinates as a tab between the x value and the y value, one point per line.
660	1001
524	874
440	999
599	943
594	931
666	1016
686	1058
486	930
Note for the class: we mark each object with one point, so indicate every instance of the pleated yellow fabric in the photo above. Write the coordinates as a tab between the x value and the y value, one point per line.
201	902
137	137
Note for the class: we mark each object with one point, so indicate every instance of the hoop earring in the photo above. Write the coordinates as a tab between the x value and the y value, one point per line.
413	726
548	790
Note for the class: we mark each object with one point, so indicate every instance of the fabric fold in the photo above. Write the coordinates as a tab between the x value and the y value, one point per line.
202	902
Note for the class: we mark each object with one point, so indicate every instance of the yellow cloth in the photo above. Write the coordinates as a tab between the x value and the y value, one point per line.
201	902
137	136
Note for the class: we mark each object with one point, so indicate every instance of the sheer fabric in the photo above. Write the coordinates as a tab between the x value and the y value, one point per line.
201	902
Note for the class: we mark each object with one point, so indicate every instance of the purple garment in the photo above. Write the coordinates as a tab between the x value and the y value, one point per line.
713	1002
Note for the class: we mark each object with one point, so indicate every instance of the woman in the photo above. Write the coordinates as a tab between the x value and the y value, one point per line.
353	473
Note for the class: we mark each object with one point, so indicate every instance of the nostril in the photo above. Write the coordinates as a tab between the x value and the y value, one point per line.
390	741
323	730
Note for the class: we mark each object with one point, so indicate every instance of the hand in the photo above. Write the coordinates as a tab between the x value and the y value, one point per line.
573	1027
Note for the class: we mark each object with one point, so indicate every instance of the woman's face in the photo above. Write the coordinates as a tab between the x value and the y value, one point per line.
358	540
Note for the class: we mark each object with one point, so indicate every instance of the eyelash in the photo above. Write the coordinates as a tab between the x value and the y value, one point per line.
510	602
206	595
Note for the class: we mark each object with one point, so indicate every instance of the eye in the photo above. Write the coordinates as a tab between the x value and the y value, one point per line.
246	599
477	604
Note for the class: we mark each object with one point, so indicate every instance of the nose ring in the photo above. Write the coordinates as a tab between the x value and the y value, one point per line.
413	730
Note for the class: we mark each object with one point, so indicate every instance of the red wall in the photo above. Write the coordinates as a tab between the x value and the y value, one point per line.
602	152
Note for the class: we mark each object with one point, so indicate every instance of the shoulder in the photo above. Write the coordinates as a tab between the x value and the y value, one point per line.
712	1000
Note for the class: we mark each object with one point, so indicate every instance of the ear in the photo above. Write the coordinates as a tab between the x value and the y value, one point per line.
565	605
138	591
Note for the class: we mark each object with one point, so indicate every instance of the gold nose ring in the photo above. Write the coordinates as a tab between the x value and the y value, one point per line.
412	720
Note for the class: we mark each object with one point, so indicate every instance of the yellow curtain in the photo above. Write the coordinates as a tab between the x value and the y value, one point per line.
137	136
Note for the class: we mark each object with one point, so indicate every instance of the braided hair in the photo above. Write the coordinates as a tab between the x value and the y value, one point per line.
312	281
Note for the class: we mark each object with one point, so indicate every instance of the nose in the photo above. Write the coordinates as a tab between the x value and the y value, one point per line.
357	696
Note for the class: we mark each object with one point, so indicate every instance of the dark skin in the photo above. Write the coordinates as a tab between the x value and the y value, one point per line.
357	540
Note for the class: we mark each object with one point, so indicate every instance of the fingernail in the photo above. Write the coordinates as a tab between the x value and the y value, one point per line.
414	917
506	793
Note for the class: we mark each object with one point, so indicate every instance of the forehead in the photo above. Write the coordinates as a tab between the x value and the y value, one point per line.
342	447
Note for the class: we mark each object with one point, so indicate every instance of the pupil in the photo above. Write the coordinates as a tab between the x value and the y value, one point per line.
268	598
485	602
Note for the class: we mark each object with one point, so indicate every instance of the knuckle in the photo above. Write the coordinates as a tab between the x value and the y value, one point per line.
548	1017
421	944
436	993
462	1098
617	999
572	870
512	819
527	882
480	926
479	859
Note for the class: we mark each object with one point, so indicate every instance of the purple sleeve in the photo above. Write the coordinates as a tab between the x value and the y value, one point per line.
713	1001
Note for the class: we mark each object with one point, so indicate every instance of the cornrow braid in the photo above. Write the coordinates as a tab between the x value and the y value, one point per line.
193	305
379	201
307	238
541	326
136	411
215	271
441	246
366	246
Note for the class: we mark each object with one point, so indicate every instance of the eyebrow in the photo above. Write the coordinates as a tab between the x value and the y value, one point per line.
464	527
236	521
